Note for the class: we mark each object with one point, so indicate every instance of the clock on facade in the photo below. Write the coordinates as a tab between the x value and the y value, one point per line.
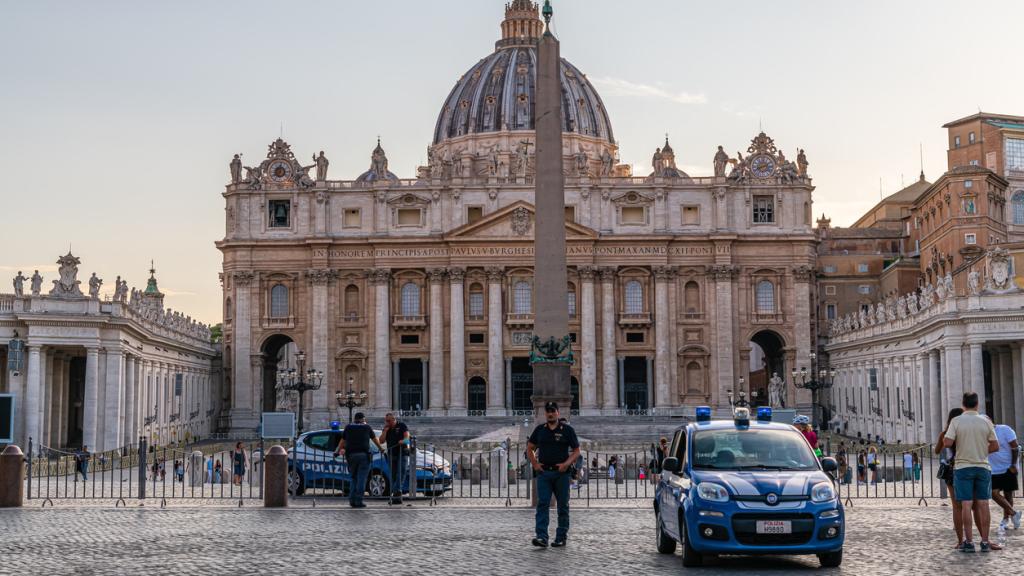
762	166
280	171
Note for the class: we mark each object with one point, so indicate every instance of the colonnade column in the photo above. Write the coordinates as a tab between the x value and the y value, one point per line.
609	364
662	277
33	384
954	376
130	415
588	361
457	317
90	408
933	394
381	279
435	400
495	331
112	400
320	281
977	382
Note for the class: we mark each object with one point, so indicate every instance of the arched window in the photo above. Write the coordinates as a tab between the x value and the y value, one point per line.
1018	207
634	297
571	298
765	297
352	301
279	301
691	298
476	300
522	298
410	299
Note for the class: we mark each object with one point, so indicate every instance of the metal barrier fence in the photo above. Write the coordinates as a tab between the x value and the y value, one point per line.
140	472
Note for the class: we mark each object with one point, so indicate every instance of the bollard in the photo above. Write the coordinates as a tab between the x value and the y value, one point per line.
12	477
275	478
196	469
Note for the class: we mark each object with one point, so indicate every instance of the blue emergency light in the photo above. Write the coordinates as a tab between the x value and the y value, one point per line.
703	413
335	425
764	414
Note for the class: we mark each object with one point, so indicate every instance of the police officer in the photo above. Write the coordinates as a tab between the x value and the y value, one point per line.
552	449
355	445
397	440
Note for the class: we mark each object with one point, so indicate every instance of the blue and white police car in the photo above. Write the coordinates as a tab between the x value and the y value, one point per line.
312	464
747	487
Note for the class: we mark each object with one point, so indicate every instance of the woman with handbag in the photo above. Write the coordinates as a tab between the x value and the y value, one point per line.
945	474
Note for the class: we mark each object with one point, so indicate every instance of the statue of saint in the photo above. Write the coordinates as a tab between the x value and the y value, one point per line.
582	163
19	284
973	282
658	162
37	283
236	169
802	163
522	157
321	166
721	159
776	391
94	286
607	163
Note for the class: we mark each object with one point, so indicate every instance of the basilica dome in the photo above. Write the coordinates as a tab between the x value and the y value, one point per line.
499	92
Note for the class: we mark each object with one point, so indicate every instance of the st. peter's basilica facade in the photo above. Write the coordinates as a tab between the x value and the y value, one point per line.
420	291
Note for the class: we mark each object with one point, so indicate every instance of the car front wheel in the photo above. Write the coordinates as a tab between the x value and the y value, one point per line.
666	545
691	558
377	484
831	559
296	484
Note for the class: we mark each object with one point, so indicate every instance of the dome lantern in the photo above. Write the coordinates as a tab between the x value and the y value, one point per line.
522	23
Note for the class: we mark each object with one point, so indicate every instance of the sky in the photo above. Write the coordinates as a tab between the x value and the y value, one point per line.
118	118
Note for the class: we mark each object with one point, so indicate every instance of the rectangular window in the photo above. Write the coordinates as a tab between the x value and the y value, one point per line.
764	209
635	337
970	239
353	218
410	339
830	311
1014	156
474	214
570	213
956	142
830	269
476	303
691	215
634	215
279	213
968	183
872	378
862	268
409	216
476	338
830	290
864	289
970	138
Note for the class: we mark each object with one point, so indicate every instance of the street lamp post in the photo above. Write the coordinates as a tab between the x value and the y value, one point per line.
299	380
350	399
806	380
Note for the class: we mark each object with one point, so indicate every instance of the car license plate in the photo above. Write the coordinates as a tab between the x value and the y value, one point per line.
774	527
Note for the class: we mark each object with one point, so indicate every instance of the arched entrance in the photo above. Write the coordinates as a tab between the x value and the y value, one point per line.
278	354
766	359
477	396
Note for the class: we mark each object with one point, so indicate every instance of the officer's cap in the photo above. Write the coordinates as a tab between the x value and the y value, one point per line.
551	407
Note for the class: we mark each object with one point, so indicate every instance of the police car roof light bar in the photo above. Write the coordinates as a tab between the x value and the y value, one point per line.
764	414
703	413
742	416
335	425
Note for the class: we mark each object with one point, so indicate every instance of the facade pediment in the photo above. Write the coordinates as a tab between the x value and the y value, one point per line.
514	222
632	198
408	200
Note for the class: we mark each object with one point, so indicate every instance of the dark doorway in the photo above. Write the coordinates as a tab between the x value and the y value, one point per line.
766	359
634	376
522	384
574	389
277	355
986	366
76	400
477	395
410	384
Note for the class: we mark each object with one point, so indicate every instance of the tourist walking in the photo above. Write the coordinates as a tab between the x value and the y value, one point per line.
355	445
238	463
947	456
873	463
974	437
82	463
659	459
396	439
552	449
908	466
1004	474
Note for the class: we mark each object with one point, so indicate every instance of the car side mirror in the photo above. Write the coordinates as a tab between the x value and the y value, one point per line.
670	464
829	464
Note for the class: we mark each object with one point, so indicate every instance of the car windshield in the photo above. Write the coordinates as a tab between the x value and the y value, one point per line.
751	449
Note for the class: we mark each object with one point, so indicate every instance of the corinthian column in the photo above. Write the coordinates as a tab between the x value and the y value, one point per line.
320	282
723	341
663	275
495	364
242	415
456	314
436	376
802	276
609	364
90	408
381	279
588	363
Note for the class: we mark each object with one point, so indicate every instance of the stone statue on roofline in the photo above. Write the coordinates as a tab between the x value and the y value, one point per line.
321	164
19	284
721	160
236	169
37	283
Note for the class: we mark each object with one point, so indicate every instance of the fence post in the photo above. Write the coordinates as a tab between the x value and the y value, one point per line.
143	446
29	467
275	478
12	472
413	493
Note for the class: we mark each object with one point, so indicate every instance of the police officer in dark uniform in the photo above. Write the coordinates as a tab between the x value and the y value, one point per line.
355	445
553	449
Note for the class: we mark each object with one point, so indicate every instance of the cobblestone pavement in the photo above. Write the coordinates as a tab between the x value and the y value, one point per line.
883	539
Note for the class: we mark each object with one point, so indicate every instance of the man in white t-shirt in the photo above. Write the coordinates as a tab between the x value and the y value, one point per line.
1004	474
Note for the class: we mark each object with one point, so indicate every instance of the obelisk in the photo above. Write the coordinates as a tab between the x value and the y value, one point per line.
551	323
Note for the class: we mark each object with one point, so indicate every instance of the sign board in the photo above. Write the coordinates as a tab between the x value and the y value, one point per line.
178	380
6	419
277	425
15	355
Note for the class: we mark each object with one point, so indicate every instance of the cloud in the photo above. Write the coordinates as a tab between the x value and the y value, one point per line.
626	88
170	292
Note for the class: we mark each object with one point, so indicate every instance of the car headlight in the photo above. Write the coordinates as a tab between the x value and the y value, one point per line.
823	492
712	492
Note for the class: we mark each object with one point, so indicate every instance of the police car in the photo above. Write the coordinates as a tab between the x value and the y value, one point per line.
747	487
312	464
